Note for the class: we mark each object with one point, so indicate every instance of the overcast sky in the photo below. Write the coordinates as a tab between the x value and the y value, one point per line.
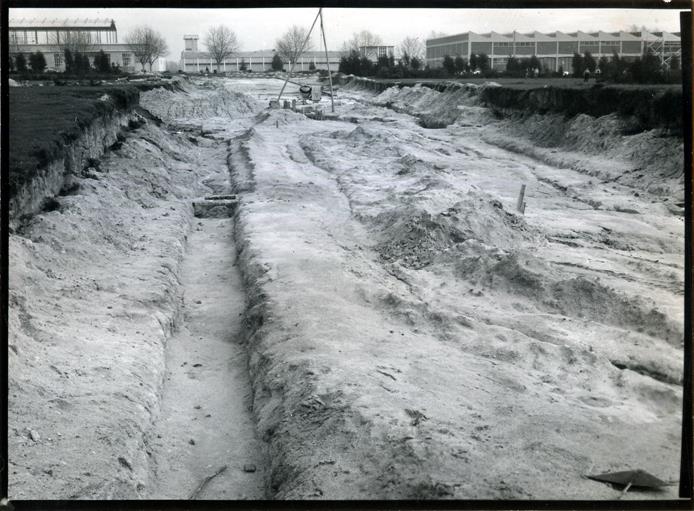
259	28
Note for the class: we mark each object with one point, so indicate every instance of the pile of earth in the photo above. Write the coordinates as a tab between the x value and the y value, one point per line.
435	109
174	107
520	273
415	238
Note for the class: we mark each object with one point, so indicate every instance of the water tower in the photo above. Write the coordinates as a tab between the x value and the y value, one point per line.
191	42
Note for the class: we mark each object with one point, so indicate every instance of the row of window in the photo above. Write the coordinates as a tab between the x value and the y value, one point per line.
56	36
58	58
545	48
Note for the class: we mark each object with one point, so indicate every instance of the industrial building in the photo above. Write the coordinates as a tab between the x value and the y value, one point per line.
373	53
194	61
554	50
49	35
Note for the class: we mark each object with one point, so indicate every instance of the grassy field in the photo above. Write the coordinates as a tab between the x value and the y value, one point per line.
44	119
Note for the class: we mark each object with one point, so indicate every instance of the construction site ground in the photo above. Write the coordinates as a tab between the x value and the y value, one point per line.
376	321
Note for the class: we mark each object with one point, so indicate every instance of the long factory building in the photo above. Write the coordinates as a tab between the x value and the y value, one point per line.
48	35
193	60
554	50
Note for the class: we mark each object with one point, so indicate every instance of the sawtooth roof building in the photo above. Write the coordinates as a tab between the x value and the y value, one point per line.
29	35
554	50
195	61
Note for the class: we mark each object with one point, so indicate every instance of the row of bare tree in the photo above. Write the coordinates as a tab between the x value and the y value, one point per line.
222	43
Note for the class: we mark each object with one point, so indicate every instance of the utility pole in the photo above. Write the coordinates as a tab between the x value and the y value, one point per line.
301	50
327	61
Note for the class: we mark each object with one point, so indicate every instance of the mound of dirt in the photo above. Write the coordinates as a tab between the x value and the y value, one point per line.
522	274
435	109
416	238
174	106
650	160
411	164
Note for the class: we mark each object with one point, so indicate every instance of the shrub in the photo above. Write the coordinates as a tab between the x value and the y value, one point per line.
102	62
578	65
589	62
460	64
69	61
37	62
20	63
277	64
449	64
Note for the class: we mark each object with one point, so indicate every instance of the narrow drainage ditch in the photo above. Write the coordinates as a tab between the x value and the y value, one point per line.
204	444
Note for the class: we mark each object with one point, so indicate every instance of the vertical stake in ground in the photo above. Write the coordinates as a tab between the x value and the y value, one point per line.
521	200
327	61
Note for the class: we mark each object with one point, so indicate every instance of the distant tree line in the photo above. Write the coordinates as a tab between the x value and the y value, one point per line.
645	69
384	67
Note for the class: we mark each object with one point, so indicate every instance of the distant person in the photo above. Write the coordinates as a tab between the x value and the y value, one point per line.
598	73
586	75
536	72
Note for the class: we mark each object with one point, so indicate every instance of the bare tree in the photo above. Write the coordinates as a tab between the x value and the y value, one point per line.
363	39
221	43
289	45
642	28
411	48
147	45
75	41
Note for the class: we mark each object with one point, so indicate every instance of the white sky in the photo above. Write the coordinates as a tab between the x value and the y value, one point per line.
259	28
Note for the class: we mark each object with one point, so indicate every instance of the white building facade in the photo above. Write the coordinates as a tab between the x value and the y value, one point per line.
195	61
555	50
28	36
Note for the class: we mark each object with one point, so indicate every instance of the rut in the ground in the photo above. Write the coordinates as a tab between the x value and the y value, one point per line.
205	423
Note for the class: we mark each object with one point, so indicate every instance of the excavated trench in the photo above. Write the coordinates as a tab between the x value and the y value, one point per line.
145	344
205	426
203	444
232	384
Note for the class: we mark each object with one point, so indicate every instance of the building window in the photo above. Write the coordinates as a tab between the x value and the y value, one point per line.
126	59
18	37
58	59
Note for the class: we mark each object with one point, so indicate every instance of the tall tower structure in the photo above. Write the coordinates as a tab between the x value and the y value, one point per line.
191	42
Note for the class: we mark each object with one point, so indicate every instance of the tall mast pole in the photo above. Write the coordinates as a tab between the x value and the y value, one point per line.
327	61
297	56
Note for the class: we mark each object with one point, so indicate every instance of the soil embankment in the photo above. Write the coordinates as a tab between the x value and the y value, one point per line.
94	295
430	308
638	131
410	334
88	370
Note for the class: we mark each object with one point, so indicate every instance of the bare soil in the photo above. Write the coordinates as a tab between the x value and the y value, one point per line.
205	421
406	332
